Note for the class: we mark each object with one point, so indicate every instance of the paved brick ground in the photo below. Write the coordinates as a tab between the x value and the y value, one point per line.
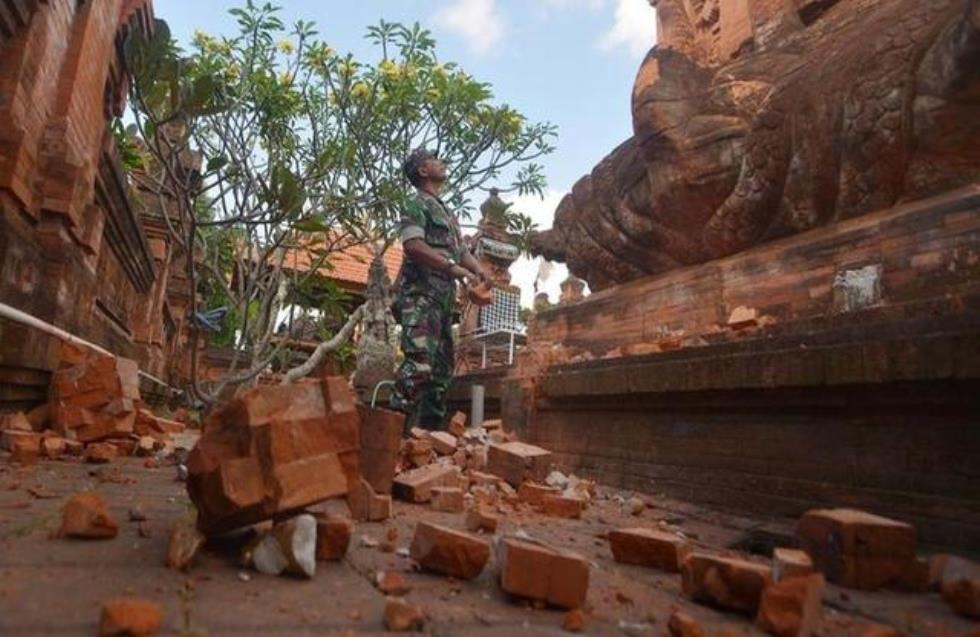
56	586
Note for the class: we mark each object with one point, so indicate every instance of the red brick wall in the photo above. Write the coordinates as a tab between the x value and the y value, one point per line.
74	132
875	407
30	69
58	261
928	252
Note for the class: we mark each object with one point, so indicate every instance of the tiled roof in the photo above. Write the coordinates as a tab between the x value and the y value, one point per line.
347	265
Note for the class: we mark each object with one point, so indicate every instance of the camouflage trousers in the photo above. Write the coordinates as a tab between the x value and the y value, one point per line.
424	377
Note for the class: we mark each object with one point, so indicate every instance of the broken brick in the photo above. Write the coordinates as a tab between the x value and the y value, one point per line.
649	547
681	624
100	453
449	552
478	519
402	617
537	572
419	452
86	516
15	422
416	485
390	583
126	616
787	562
185	542
743	317
333	533
125	446
53	446
791	607
533	494
272	450
24	446
574	621
106	425
457	424
728	582
856	549
960	586
381	436
39	417
366	505
145	446
447	499
443	442
516	462
482	479
11	438
915	579
562	506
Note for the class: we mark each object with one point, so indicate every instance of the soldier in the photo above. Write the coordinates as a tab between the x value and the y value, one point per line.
435	258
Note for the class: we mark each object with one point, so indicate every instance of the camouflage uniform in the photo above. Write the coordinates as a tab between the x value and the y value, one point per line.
425	303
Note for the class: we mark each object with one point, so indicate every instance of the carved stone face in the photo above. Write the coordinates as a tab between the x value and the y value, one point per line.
755	119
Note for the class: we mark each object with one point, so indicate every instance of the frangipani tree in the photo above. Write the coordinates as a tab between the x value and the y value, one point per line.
268	141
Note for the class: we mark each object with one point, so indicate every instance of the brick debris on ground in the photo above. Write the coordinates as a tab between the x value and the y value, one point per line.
485	535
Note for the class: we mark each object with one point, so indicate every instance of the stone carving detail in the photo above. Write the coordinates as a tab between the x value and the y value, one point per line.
756	119
378	343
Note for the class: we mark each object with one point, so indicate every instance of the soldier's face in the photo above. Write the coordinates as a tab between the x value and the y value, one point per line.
434	170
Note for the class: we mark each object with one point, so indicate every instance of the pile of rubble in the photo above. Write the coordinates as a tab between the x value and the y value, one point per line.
275	465
94	411
275	453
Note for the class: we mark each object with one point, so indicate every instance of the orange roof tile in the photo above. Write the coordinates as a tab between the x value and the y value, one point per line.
347	265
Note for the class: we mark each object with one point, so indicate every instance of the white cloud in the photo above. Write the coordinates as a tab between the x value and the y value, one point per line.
477	22
591	5
634	27
525	271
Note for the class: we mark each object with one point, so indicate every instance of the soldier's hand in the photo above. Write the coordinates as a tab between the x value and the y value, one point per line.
461	273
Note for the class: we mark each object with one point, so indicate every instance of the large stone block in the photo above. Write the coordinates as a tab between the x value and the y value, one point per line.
538	572
857	549
791	607
95	399
516	462
728	582
450	552
649	547
381	438
273	450
416	485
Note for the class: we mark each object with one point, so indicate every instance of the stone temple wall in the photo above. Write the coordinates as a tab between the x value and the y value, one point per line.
854	378
786	259
76	249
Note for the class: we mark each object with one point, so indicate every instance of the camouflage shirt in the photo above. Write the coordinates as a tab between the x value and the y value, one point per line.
426	217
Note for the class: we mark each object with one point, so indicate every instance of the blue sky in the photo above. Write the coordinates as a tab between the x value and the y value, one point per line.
570	62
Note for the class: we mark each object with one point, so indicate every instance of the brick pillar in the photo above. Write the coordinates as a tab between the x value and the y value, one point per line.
73	137
29	72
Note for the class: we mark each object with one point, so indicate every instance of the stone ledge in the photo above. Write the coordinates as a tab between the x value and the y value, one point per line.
833	357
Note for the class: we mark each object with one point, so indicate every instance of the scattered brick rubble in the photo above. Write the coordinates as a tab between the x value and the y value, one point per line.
270	459
94	412
127	616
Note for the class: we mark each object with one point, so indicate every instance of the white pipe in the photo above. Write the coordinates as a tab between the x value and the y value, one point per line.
19	316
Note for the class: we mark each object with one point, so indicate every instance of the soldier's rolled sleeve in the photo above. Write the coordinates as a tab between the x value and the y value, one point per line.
412	225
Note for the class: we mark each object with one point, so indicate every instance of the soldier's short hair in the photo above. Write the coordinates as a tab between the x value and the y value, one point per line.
414	163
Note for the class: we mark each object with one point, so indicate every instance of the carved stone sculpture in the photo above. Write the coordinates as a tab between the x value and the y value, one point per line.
757	119
378	343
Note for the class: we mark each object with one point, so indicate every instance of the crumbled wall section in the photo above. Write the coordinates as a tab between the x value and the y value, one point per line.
73	250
